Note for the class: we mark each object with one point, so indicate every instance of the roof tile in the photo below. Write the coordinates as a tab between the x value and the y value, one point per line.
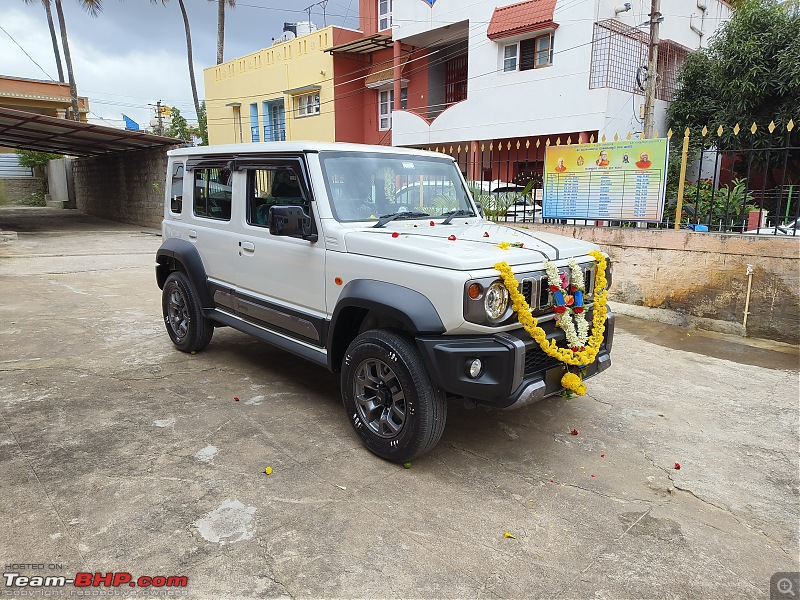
522	17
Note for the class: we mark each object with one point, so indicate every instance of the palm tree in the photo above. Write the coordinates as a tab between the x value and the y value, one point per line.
51	25
221	26
188	51
93	7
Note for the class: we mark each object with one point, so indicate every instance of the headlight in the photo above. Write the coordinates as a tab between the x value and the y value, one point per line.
496	300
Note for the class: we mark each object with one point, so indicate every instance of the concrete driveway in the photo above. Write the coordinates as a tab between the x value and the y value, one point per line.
120	454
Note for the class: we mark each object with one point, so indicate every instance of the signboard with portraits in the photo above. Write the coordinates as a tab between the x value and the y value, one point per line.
610	181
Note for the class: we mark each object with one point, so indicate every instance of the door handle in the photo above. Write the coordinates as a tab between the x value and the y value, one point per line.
248	247
192	234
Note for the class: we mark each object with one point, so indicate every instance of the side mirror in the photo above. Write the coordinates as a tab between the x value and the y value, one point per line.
291	221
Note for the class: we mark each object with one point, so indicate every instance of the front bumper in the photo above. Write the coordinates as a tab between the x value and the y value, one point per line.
515	371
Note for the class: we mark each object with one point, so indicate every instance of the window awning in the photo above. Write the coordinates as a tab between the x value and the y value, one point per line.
365	45
521	18
306	89
382	73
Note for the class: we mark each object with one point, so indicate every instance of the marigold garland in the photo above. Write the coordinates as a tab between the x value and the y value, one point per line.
570	381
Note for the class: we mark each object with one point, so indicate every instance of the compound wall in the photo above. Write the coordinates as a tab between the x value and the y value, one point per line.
704	275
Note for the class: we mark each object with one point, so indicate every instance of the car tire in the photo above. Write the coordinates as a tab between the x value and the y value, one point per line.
389	398
186	325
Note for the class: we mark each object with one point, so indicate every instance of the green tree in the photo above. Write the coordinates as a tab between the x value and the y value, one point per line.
37	161
202	123
178	126
749	73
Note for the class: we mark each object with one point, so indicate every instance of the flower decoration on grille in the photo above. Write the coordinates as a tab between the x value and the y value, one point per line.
577	355
568	302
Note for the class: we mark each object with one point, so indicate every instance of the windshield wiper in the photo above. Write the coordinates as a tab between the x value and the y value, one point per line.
456	213
405	215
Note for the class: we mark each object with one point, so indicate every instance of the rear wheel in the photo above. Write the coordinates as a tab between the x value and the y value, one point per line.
186	325
389	398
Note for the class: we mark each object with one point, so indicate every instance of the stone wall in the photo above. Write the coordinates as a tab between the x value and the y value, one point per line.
14	189
704	275
124	186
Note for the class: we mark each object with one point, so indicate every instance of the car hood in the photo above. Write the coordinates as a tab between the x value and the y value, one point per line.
462	247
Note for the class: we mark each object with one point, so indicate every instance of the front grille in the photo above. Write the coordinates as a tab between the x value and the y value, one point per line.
537	361
537	294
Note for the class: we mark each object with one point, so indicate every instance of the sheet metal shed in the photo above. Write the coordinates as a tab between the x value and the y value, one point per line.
31	131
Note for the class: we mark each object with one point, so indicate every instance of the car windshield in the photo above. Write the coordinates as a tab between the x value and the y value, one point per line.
365	186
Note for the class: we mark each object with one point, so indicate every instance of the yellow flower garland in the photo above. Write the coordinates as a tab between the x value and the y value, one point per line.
568	356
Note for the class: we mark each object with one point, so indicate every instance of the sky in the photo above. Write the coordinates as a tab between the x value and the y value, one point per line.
134	53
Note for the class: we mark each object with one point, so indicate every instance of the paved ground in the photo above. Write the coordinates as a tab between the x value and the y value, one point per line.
119	453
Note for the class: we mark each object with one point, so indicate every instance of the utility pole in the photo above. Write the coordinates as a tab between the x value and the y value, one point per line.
160	118
652	75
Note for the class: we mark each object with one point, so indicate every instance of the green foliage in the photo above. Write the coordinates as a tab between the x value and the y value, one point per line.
29	158
496	205
37	162
749	73
726	204
178	126
202	122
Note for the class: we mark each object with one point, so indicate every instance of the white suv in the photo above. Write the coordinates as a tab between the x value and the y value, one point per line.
373	262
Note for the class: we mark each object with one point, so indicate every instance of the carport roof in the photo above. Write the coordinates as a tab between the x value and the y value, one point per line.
30	131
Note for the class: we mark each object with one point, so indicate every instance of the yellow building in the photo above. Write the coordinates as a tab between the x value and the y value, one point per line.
284	92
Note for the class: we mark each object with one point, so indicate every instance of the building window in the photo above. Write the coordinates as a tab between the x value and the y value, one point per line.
455	79
307	105
386	104
510	58
532	53
384	14
254	128
274	121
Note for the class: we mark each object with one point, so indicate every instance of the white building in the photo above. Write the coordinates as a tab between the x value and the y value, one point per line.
478	71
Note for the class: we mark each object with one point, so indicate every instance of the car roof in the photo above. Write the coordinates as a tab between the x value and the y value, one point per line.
298	147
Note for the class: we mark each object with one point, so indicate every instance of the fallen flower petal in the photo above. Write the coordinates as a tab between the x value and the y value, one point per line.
395	234
602	456
432	223
677	466
574	432
236	399
506	534
268	470
452	238
485	234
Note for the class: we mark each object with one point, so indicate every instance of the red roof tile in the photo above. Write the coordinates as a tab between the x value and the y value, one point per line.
522	17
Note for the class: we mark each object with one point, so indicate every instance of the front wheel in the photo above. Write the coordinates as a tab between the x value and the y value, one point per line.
389	398
186	325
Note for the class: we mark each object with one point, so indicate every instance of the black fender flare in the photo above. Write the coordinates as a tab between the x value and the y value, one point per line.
176	250
411	308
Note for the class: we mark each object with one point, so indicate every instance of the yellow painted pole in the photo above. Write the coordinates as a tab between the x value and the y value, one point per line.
684	159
